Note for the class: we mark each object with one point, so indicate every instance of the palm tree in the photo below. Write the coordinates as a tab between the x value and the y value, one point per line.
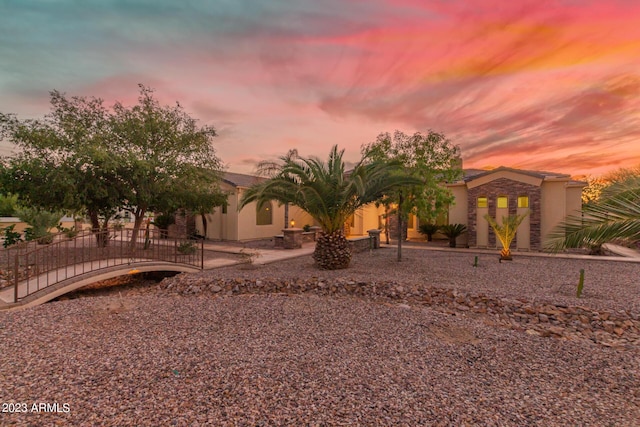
506	231
616	215
328	194
452	231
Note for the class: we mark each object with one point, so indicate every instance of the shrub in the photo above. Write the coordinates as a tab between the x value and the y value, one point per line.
187	248
8	204
452	231
163	221
40	222
11	237
428	230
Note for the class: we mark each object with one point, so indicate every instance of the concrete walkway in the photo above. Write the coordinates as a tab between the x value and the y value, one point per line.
623	254
260	256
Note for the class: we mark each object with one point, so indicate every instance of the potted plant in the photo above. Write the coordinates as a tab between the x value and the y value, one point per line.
452	231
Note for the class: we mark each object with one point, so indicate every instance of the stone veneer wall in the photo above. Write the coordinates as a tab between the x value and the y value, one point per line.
511	189
185	224
393	227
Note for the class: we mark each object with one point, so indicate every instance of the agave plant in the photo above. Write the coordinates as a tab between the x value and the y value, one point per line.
328	194
506	231
452	231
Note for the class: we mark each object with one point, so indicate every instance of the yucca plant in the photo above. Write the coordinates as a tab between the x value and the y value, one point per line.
452	231
506	231
328	194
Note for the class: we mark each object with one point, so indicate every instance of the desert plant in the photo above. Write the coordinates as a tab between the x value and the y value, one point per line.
11	237
187	248
8	204
428	230
163	221
69	232
506	232
452	231
40	222
616	215
580	283
306	228
329	195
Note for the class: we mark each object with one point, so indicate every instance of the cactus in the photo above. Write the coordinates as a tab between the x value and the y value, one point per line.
580	283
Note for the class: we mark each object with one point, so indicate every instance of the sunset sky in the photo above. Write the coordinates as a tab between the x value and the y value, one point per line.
551	85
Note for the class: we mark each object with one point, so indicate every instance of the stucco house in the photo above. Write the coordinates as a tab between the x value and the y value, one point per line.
227	223
548	197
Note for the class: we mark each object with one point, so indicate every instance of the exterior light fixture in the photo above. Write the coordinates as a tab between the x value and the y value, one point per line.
293	223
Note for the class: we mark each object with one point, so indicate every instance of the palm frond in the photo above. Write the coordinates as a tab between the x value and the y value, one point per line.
323	189
616	216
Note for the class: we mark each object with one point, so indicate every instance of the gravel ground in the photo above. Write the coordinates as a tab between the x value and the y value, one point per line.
153	356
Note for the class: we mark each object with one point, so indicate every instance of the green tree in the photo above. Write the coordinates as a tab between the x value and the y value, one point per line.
430	159
161	152
8	204
40	222
328	194
270	169
202	197
64	160
85	156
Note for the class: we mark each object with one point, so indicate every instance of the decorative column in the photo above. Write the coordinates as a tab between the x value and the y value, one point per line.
374	235
292	238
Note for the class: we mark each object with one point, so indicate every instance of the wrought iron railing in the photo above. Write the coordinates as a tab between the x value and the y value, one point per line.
32	266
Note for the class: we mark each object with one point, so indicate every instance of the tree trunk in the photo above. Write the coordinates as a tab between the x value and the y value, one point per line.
286	215
137	224
204	223
100	231
386	223
332	251
400	229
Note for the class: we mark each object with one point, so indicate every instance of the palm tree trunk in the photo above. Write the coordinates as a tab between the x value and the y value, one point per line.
286	215
332	251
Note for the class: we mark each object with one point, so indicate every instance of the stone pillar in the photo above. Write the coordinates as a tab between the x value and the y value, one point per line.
374	235
292	238
316	230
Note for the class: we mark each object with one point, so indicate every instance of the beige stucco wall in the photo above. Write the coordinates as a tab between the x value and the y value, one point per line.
553	206
574	199
241	225
366	218
21	226
458	209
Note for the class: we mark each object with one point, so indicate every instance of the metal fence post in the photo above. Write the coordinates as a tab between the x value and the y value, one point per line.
16	279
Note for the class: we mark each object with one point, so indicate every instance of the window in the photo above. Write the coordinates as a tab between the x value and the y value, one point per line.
352	221
482	202
503	202
224	208
264	215
523	201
